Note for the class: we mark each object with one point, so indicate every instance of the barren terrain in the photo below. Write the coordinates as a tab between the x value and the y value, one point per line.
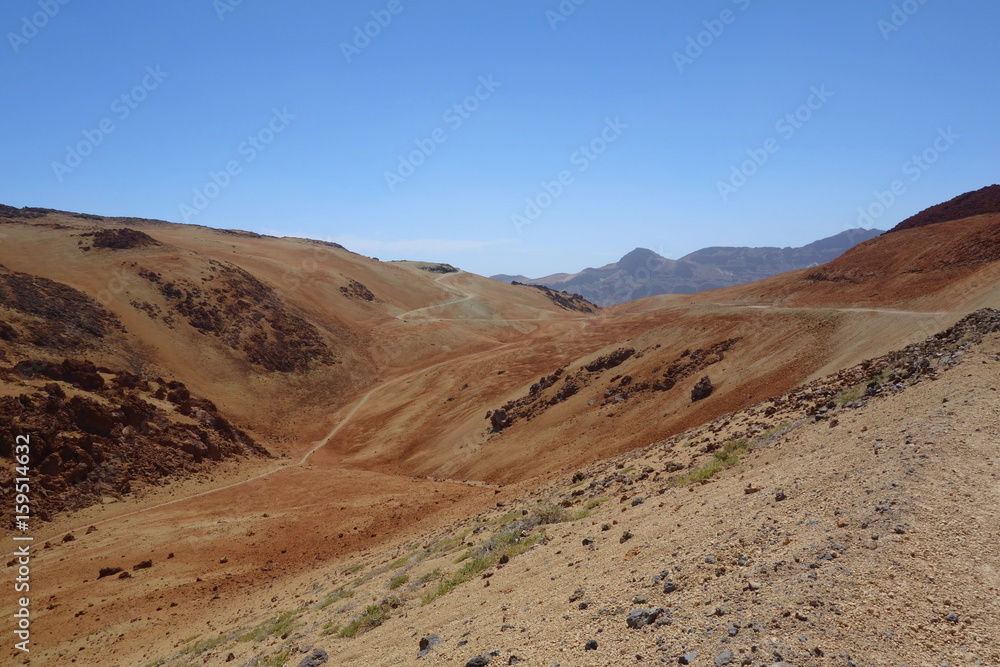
285	430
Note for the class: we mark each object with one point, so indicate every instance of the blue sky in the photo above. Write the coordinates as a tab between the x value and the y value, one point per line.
582	130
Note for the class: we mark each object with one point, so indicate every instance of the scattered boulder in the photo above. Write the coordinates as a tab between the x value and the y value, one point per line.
640	618
143	565
315	659
480	660
108	571
702	390
723	659
688	658
500	420
427	643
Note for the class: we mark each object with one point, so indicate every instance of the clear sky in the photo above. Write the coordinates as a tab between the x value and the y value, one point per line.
584	128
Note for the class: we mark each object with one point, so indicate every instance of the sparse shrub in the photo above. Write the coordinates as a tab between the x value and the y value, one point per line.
276	660
372	617
278	626
336	596
398	581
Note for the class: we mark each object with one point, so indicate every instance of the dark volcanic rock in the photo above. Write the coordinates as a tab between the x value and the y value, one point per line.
640	618
427	643
702	390
123	239
499	420
315	659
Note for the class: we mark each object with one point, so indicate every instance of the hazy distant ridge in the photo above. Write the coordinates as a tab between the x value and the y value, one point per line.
643	273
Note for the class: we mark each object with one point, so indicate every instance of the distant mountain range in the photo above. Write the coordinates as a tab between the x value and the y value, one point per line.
643	273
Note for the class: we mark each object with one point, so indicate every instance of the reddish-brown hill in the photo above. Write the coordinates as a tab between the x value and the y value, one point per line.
977	202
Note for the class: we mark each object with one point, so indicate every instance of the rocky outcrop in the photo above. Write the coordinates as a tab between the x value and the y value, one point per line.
702	390
110	433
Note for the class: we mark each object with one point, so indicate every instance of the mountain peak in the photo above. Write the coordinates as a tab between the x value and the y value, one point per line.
637	259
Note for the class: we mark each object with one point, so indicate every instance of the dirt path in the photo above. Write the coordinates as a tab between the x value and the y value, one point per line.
464	296
840	310
318	445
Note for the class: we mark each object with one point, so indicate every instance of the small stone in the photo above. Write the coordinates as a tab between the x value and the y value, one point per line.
480	660
640	618
951	618
626	536
577	595
224	560
688	658
639	599
753	585
427	643
669	587
590	645
733	630
315	659
710	560
638	500
723	658
587	541
779	495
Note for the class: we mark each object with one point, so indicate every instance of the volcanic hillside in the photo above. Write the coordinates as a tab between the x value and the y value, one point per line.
258	416
979	202
138	350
